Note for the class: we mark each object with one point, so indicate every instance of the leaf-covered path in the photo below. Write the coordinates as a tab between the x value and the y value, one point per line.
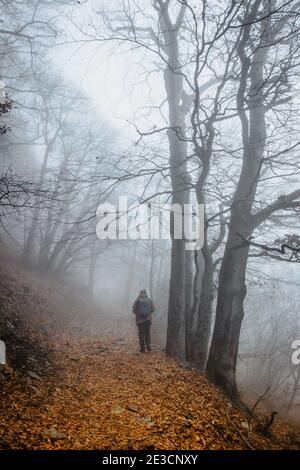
103	394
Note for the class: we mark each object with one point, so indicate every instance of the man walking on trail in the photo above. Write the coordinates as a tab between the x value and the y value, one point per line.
143	308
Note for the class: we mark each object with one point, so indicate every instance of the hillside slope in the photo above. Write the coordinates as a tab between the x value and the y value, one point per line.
62	390
37	312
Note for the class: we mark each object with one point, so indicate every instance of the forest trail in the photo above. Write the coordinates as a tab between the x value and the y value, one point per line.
103	394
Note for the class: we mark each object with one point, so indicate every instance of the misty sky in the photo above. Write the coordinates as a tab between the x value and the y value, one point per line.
111	78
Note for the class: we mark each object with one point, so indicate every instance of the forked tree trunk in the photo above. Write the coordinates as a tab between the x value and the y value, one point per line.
221	366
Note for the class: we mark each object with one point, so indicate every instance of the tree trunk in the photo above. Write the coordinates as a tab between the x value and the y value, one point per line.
221	367
175	345
188	303
204	314
30	240
92	267
151	269
127	299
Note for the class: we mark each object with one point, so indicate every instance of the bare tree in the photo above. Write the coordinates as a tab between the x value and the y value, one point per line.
259	93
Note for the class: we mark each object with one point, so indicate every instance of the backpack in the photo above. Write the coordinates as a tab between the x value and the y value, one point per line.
144	307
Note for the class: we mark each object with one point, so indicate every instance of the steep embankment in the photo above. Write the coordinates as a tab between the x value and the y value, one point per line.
97	392
36	313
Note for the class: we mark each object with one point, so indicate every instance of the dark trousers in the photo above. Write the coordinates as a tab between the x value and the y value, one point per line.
144	335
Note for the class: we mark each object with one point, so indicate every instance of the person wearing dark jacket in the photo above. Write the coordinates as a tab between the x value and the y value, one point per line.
143	308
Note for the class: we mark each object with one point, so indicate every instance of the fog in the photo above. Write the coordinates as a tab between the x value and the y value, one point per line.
163	102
